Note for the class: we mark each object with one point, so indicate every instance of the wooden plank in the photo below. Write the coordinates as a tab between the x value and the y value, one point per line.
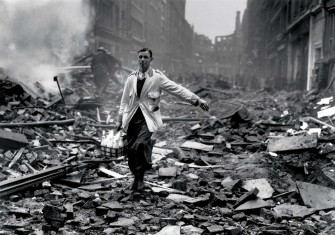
104	181
331	78
326	112
162	151
16	157
178	198
160	144
159	188
197	146
111	173
10	139
92	187
292	143
167	119
191	165
98	115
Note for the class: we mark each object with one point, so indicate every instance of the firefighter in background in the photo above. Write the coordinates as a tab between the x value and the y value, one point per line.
103	67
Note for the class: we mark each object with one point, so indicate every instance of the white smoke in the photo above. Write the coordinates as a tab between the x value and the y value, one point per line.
37	36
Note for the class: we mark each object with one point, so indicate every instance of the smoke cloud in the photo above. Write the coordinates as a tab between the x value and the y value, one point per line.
37	36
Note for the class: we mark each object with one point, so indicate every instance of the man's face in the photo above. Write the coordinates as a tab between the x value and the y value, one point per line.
144	60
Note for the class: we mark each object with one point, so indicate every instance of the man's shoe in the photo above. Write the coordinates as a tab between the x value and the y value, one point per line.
140	185
135	185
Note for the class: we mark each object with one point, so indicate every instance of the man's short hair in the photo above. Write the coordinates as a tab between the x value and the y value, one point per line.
102	49
144	50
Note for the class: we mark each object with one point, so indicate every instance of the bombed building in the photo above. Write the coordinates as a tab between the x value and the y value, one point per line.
293	39
195	134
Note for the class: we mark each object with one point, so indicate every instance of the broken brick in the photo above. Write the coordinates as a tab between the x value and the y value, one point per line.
232	230
101	210
167	221
54	216
111	216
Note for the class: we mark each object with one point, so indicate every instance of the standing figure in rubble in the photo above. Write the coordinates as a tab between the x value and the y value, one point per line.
103	67
139	113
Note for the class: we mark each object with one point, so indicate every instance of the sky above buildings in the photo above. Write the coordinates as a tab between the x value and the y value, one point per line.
214	17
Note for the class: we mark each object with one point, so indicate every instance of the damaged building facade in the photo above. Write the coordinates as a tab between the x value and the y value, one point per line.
227	52
125	26
287	44
203	50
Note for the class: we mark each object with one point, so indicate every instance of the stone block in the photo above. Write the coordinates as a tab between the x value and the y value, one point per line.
167	172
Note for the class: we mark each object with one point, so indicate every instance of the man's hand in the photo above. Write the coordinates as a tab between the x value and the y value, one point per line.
203	104
118	126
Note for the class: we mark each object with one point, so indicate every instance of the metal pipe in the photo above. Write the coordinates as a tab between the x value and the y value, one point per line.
32	124
60	91
318	122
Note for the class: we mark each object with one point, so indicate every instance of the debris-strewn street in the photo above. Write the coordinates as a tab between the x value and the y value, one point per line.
256	163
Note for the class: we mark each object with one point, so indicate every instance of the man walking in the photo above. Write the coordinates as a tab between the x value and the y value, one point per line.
140	115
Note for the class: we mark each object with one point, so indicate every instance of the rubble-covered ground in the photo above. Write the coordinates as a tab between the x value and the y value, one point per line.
256	163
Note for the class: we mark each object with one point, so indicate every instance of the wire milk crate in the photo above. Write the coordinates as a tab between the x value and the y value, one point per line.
114	150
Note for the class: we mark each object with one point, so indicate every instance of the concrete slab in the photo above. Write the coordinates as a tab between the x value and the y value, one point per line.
170	229
114	206
74	177
191	230
230	184
122	222
293	143
293	211
265	189
198	201
316	196
215	229
253	204
167	172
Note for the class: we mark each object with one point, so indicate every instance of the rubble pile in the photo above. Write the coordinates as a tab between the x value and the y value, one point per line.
257	163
